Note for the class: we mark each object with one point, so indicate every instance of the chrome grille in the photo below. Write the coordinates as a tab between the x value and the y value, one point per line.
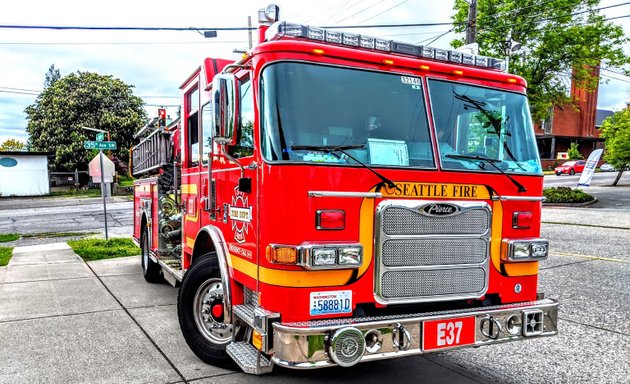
433	282
422	257
414	252
404	221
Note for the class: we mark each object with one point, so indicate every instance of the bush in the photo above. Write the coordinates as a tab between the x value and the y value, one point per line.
566	195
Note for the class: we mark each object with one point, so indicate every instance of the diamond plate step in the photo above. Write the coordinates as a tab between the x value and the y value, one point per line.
249	358
245	312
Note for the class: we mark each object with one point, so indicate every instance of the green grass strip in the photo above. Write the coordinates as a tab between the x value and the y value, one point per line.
98	249
5	255
6	237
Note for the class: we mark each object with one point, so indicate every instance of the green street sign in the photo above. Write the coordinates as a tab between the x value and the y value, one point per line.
100	136
99	145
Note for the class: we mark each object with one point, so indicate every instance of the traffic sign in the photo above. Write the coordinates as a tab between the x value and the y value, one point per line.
100	136
99	145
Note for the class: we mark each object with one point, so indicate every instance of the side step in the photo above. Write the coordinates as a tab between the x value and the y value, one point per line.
171	275
249	358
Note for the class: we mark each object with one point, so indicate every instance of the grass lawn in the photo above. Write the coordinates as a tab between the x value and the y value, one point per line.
6	237
97	249
5	255
75	193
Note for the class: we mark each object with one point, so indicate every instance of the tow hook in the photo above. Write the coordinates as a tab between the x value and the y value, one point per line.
490	327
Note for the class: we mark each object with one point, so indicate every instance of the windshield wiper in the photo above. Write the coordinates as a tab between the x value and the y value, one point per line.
492	162
343	148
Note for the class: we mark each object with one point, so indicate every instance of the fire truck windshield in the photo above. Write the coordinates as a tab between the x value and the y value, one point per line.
307	106
483	123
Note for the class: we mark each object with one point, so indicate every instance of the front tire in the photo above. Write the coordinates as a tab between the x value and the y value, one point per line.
572	172
150	269
205	331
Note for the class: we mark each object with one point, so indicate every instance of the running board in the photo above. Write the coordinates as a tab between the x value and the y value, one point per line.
171	275
248	358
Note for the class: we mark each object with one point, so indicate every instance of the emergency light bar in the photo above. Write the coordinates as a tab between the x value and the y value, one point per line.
282	28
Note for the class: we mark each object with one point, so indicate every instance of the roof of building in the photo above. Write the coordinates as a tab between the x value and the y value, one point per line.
601	115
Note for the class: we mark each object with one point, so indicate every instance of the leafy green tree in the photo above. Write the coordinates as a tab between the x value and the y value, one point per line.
574	152
12	145
616	131
559	38
82	99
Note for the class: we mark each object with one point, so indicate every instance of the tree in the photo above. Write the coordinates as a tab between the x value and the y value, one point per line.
574	153
12	145
82	99
560	39
52	75
616	131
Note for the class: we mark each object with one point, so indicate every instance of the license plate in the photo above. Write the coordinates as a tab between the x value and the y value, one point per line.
439	334
331	302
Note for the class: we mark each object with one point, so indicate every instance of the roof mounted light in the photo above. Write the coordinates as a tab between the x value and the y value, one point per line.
281	29
428	52
269	15
405	48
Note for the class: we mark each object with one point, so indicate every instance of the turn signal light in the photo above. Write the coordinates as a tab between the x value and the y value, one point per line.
282	254
257	340
330	219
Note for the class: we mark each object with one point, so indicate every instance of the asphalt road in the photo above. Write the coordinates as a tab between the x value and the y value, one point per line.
588	271
57	215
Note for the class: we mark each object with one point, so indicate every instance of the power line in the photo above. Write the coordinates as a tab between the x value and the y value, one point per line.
387	10
195	29
361	11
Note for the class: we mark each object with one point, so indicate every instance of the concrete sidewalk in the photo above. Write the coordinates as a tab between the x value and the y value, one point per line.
66	321
62	320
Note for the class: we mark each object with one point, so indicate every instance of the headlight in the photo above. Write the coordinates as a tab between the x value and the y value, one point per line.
525	249
324	257
331	256
350	256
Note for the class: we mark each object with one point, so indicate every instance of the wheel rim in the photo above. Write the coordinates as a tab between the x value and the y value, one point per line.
210	294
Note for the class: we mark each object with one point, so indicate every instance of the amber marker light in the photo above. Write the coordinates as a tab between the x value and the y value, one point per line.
511	80
282	254
425	67
257	340
318	51
458	72
388	62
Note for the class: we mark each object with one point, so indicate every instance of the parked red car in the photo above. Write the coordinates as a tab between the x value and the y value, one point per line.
570	167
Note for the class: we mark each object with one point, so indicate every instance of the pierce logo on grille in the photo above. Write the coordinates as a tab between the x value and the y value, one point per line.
440	209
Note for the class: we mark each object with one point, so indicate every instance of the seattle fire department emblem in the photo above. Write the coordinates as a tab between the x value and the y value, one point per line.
241	215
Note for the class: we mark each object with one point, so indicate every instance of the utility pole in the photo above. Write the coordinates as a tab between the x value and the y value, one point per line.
249	30
471	25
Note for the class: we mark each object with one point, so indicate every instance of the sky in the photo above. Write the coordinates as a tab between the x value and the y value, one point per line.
157	62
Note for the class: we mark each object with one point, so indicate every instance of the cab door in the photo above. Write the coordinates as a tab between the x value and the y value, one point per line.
239	207
191	166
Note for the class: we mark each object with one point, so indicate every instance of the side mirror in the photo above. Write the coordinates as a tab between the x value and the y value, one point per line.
224	98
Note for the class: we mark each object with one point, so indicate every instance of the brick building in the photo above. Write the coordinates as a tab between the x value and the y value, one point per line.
578	121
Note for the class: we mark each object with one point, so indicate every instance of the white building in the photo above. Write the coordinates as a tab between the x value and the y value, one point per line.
24	174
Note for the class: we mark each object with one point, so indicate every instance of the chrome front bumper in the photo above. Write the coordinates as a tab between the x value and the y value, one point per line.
306	345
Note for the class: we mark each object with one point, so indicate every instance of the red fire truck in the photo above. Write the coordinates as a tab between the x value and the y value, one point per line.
334	198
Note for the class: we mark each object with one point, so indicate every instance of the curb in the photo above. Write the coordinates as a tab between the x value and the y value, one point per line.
578	205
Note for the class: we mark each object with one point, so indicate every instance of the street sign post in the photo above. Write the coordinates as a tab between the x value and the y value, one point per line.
99	145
